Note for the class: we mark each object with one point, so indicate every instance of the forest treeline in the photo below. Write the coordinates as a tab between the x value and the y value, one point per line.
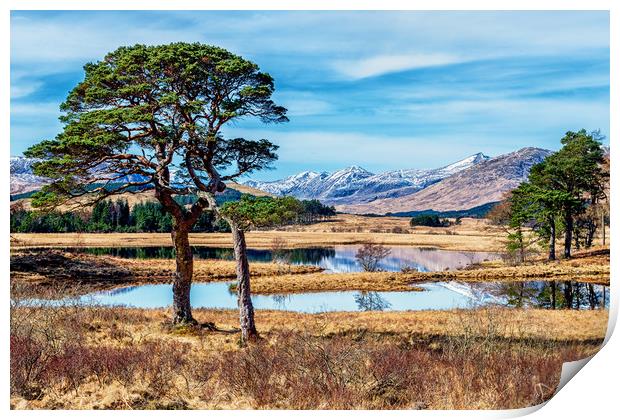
566	195
117	216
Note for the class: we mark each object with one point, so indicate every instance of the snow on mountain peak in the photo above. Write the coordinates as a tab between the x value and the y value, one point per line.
354	183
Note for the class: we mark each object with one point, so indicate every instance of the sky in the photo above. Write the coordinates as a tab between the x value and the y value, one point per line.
381	90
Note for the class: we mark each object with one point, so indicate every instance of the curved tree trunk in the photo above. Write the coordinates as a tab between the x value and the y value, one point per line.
182	310
244	298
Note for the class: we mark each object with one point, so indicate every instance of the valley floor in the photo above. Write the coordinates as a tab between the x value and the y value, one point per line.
74	357
75	273
344	229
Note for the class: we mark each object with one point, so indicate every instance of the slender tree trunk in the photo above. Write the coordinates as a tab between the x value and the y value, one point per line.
592	296
590	231
603	226
182	284
568	294
568	238
552	239
244	298
553	287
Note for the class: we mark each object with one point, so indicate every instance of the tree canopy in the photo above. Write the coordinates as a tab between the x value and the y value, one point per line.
150	117
558	191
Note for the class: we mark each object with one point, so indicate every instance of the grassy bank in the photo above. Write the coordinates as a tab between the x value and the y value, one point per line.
81	273
130	359
586	269
71	273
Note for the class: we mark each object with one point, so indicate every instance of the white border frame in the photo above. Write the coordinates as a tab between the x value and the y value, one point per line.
592	395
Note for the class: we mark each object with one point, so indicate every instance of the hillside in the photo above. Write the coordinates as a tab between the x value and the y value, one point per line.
483	183
355	185
132	199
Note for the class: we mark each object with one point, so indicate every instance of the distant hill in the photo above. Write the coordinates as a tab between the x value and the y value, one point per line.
24	183
478	185
469	184
355	185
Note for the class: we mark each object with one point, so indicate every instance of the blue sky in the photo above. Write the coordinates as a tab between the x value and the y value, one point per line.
383	90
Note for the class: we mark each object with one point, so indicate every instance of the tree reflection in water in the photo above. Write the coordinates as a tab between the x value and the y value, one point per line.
554	295
371	301
280	300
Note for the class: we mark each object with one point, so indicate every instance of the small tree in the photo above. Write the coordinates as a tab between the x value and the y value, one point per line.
370	255
144	113
248	213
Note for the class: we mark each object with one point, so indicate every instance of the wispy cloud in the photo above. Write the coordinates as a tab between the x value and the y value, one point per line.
23	88
380	89
384	64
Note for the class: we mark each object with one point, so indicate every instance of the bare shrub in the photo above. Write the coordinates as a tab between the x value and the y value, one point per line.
370	255
406	269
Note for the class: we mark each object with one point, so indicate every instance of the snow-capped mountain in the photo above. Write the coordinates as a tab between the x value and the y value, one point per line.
470	187
22	178
357	185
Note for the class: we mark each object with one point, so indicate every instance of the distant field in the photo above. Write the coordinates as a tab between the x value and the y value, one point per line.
344	229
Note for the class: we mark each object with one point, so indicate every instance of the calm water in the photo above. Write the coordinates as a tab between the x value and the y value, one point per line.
337	259
435	296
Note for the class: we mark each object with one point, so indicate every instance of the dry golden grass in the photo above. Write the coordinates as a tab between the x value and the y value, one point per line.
44	269
82	273
315	282
426	359
471	235
259	240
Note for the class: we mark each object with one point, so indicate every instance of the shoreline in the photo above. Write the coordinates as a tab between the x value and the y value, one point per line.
77	273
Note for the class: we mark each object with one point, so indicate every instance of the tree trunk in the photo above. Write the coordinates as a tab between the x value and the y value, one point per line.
553	287
182	310
592	299
244	298
603	225
552	239
568	238
590	231
568	294
521	246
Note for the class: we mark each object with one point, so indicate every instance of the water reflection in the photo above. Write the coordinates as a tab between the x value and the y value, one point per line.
449	295
553	295
337	259
371	301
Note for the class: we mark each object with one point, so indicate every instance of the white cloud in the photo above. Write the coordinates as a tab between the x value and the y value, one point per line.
383	64
22	89
302	104
35	109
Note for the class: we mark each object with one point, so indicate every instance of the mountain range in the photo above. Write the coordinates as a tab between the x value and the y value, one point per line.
474	181
22	178
355	185
483	183
470	182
